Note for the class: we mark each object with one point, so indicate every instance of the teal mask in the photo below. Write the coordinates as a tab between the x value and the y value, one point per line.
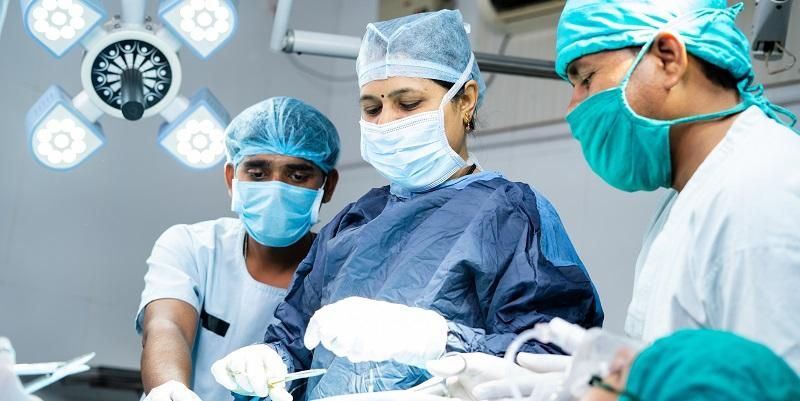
630	152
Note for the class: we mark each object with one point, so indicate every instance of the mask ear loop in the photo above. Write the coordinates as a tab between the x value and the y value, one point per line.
458	84
636	61
730	11
683	120
236	202
318	202
447	98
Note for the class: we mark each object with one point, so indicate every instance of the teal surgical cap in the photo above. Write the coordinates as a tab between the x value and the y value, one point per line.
707	28
701	365
283	126
427	45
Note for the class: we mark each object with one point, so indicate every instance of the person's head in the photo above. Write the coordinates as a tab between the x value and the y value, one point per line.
641	67
692	46
410	65
283	139
698	365
293	148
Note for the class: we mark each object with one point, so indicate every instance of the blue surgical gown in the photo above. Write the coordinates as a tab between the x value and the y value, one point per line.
491	256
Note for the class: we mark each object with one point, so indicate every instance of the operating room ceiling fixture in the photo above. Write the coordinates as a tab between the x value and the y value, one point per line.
130	70
771	20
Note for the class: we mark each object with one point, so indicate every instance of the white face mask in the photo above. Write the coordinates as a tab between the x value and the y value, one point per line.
413	152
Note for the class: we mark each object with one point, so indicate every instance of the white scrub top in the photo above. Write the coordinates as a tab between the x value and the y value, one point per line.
203	265
724	253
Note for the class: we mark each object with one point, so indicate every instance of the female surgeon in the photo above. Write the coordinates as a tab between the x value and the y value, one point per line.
448	258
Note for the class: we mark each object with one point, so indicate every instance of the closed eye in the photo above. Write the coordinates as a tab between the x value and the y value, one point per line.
587	81
372	110
408	106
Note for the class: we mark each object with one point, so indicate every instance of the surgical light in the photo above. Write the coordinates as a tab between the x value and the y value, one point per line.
60	136
130	70
195	136
60	24
204	25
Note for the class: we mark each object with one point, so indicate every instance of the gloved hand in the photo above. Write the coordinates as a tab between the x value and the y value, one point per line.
172	391
363	329
251	370
477	376
10	386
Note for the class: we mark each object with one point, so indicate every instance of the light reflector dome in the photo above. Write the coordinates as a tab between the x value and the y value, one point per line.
204	25
59	135
60	24
197	137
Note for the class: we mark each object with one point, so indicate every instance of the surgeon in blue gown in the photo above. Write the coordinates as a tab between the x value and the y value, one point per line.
448	258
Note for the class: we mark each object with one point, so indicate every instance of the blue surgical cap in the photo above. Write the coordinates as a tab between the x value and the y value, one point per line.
283	126
707	28
427	45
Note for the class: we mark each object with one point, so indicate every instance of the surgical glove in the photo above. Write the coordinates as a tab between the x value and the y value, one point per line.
10	386
547	373
171	391
477	376
368	330
255	370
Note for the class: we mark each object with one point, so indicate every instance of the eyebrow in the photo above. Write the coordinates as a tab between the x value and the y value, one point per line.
299	167
255	163
392	94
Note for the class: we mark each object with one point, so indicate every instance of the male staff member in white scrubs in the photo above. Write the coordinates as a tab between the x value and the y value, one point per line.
664	96
210	285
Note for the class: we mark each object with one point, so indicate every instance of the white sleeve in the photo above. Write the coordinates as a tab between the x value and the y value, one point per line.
756	293
173	272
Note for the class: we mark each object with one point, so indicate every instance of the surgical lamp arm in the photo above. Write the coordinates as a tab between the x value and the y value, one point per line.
133	11
323	44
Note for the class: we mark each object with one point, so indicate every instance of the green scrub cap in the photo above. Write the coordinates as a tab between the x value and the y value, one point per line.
707	28
707	365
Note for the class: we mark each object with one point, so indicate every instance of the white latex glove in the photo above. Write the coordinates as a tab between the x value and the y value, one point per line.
363	329
10	386
477	376
172	391
249	371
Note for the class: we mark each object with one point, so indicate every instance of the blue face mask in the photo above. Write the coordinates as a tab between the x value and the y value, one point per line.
630	152
413	152
274	213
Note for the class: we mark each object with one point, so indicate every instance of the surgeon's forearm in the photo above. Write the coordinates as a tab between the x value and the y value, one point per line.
166	355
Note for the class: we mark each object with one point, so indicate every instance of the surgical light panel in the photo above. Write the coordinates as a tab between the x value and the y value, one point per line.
59	135
60	24
197	136
204	25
